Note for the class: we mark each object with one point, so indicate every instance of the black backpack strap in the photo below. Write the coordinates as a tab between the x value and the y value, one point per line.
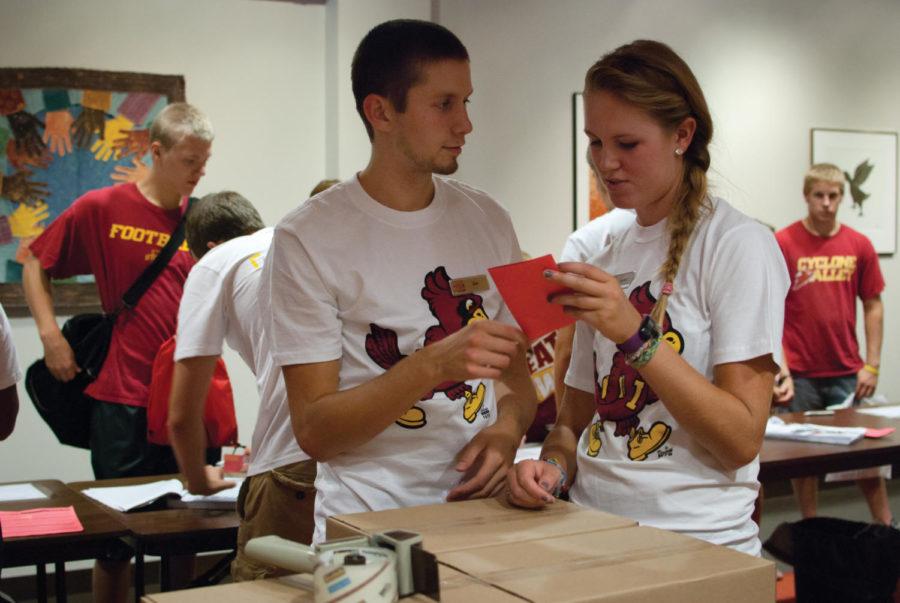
145	280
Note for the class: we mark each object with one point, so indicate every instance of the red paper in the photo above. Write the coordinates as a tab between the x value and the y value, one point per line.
38	522
873	432
525	291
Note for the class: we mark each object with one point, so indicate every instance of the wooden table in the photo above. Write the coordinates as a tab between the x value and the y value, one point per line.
783	459
169	532
100	529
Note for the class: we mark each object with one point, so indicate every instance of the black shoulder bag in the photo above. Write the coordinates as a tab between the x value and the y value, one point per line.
63	406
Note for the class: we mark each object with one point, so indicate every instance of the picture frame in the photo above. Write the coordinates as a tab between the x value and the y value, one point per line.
64	132
869	162
587	202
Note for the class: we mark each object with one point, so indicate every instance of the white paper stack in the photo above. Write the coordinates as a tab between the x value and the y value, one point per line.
127	498
810	432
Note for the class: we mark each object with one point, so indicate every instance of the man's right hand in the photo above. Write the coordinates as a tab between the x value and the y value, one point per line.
213	481
60	358
483	349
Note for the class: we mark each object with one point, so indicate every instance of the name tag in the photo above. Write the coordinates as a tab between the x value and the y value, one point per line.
469	284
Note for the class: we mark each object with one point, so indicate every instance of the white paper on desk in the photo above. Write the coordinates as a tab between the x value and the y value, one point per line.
20	492
219	500
810	432
888	412
126	498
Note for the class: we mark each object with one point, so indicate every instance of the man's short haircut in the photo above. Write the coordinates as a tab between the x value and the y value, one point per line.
178	120
219	217
823	172
389	60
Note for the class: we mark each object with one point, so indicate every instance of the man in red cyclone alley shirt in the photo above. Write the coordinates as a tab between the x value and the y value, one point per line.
831	265
114	233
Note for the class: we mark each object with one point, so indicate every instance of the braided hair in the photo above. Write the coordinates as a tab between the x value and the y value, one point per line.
651	76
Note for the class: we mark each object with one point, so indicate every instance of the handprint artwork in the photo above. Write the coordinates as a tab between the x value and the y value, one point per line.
88	130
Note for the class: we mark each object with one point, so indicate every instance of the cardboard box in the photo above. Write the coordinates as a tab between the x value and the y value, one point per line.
277	590
566	553
489	551
629	564
475	523
456	587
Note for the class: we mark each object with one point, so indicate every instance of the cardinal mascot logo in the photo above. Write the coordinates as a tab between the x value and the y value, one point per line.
452	312
622	394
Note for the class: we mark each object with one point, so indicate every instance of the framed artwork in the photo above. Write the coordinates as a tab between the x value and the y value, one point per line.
869	163
588	199
64	132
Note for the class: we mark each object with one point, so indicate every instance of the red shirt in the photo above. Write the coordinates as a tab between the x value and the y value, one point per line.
828	274
114	233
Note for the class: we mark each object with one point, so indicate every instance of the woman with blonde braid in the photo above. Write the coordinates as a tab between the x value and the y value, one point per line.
680	318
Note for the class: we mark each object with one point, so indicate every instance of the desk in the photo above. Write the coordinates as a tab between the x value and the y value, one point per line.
100	528
170	531
784	459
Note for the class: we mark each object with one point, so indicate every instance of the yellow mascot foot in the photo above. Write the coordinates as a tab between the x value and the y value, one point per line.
643	443
594	442
473	403
412	418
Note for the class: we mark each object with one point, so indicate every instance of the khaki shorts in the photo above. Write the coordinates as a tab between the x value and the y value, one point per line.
279	502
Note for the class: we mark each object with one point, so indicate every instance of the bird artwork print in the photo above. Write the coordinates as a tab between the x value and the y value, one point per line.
860	175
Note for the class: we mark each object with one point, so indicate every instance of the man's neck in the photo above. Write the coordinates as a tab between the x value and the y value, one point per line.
397	188
821	229
158	194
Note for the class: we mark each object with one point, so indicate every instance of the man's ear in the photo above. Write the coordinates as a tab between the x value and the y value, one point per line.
211	244
379	111
155	150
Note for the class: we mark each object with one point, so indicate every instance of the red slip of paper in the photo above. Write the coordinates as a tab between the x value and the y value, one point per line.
38	522
525	290
874	432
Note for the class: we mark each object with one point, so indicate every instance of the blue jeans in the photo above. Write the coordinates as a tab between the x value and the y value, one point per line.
815	393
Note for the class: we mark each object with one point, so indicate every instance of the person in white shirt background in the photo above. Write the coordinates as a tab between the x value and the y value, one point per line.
221	304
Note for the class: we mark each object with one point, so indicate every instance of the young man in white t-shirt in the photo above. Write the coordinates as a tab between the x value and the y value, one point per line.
220	304
405	393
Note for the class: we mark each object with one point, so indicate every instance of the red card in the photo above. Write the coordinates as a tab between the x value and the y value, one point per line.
525	290
873	432
37	522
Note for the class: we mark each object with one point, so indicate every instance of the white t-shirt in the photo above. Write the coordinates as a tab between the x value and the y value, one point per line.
221	303
593	237
345	271
727	306
10	374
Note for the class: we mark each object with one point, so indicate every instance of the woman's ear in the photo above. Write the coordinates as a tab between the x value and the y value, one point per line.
684	134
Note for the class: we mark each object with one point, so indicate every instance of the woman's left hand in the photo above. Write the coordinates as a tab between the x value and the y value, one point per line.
597	298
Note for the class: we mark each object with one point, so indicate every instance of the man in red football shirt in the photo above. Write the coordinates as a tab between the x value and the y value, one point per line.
831	265
114	233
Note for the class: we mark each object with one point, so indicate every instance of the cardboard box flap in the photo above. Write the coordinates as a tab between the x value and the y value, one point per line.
629	564
476	523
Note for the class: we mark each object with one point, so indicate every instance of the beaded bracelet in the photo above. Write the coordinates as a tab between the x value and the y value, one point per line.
563	478
644	354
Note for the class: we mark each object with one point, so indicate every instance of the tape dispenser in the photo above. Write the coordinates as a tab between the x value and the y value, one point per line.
383	567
